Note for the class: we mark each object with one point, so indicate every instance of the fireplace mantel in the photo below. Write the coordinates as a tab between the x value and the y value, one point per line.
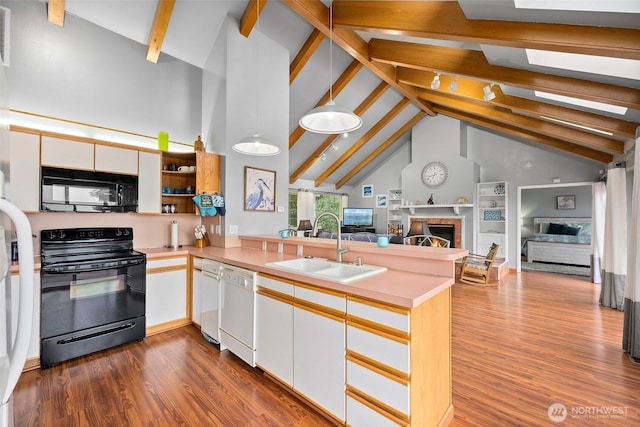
455	206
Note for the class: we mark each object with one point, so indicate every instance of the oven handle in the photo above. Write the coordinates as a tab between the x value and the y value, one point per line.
62	269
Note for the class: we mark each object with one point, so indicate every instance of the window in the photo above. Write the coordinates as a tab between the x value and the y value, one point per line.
293	209
308	205
328	203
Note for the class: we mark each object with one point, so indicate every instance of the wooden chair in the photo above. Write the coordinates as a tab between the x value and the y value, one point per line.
477	268
427	240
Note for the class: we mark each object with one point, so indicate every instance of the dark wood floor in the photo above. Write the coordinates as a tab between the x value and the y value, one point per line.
536	340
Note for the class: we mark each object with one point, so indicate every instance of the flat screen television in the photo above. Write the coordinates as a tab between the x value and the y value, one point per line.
357	217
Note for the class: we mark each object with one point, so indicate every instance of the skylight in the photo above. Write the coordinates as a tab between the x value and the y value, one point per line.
615	109
607	66
617	6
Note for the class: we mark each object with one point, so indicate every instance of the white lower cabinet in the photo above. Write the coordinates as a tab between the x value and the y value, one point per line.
166	298
319	348
301	340
274	320
378	364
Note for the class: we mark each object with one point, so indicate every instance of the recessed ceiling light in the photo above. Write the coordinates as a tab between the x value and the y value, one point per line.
607	66
577	125
619	6
615	109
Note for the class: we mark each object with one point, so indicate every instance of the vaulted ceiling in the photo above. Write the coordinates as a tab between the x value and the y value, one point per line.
386	54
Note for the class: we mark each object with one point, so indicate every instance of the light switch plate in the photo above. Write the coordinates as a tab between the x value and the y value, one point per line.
280	209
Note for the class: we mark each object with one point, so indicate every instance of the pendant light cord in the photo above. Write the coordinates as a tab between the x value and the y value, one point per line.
331	51
258	68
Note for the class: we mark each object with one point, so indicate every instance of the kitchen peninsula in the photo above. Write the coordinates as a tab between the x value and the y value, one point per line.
376	351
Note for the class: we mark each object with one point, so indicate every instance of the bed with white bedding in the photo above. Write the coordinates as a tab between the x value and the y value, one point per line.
560	240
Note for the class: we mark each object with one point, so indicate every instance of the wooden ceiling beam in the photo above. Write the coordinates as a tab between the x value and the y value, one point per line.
473	64
55	12
621	129
363	140
446	20
474	89
317	14
375	153
498	114
164	9
347	75
364	106
525	135
250	16
304	54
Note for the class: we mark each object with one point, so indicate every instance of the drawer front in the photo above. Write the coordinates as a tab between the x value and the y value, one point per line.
321	298
167	262
384	350
393	318
380	387
360	415
197	263
280	286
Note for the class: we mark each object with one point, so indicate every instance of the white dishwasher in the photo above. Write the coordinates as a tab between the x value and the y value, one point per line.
210	295
237	312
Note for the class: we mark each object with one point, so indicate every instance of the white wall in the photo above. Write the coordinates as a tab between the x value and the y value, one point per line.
85	73
236	115
383	179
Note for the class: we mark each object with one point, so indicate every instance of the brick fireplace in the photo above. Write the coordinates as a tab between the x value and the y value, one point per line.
456	222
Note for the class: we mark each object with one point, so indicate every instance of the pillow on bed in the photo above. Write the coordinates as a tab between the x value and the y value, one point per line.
569	230
554	228
585	230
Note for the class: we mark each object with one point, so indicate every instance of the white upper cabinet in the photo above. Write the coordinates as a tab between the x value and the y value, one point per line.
149	182
64	153
25	170
117	160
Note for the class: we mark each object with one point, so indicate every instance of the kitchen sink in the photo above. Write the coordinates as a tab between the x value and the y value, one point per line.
327	270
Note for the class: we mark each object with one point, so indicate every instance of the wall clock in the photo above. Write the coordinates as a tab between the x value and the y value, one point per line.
434	174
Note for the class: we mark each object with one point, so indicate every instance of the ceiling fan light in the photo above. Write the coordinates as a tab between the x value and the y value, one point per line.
256	145
330	119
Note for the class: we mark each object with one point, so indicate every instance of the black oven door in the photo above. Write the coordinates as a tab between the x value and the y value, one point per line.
87	311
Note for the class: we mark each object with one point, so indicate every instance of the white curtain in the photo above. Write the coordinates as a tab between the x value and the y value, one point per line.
306	205
614	258
598	208
631	328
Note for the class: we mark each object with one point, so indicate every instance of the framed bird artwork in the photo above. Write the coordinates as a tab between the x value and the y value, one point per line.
259	189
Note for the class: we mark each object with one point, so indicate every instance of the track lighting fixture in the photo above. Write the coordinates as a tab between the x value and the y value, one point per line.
323	156
335	146
435	84
453	86
488	93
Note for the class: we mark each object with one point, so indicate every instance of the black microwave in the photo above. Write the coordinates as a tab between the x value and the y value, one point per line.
68	190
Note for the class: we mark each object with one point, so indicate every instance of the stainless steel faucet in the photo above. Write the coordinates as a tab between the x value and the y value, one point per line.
339	249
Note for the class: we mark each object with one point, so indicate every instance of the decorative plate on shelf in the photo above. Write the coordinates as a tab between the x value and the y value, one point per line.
499	189
492	215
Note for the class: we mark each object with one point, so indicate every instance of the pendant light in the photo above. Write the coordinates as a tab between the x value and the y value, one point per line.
256	145
330	118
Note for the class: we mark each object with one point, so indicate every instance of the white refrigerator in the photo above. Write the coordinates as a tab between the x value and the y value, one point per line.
16	302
